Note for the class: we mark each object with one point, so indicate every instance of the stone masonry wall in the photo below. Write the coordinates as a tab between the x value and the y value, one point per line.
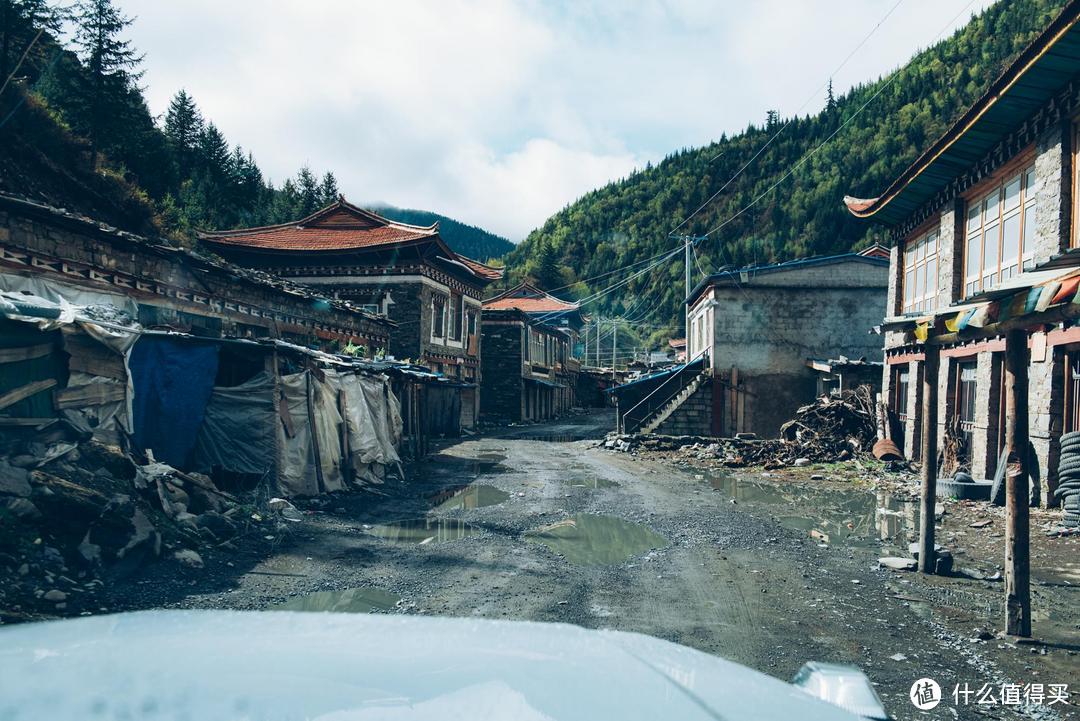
693	417
502	385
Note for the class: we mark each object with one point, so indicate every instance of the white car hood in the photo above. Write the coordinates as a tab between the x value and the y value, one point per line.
352	667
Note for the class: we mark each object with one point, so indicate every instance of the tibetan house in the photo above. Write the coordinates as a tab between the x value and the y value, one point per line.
531	371
405	273
984	269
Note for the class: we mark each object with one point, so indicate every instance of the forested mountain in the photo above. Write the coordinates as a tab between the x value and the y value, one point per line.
75	129
466	239
631	219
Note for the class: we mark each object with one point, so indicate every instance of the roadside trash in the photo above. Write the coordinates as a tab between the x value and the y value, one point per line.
285	509
897	563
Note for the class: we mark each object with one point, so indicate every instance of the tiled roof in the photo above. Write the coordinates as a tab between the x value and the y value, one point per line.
529	299
339	226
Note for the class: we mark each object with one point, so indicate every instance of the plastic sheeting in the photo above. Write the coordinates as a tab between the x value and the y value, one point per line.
173	381
311	406
373	418
237	432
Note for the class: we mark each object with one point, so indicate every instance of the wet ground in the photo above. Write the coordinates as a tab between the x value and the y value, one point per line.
540	524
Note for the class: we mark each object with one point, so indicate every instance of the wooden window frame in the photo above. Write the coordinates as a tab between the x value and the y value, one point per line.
901	390
438	311
916	260
978	223
457	310
966	427
1074	232
1071	397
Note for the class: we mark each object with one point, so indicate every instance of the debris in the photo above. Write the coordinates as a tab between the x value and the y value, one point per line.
981	524
55	595
897	563
801	462
886	450
819	535
898	657
190	559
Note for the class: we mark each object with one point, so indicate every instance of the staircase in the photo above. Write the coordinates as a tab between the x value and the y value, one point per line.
651	423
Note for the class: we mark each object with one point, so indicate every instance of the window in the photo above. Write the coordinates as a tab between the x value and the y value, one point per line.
921	273
997	225
1072	392
900	392
456	308
965	406
471	324
438	316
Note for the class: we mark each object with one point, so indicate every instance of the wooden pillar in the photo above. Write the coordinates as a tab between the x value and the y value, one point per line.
1017	531
927	555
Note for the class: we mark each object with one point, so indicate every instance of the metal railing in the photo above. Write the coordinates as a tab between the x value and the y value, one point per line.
633	419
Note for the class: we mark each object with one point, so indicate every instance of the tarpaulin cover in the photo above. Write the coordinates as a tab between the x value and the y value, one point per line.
297	476
237	432
373	419
173	381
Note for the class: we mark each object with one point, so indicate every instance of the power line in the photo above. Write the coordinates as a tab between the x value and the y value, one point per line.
789	120
822	144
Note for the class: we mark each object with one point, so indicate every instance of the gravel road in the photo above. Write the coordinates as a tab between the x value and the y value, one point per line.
577	534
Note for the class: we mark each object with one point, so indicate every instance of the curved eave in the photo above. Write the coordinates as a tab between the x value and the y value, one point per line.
1042	68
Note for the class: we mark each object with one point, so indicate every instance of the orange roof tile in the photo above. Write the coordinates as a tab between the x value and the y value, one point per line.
529	299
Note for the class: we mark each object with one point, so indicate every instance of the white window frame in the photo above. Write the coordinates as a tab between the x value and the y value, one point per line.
986	216
919	278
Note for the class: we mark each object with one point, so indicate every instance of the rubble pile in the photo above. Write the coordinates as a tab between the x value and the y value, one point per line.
833	428
77	515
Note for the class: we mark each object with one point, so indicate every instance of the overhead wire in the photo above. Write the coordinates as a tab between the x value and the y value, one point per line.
769	142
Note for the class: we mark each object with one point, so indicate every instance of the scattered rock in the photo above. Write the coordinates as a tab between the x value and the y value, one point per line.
55	595
801	462
23	509
188	558
897	563
14	481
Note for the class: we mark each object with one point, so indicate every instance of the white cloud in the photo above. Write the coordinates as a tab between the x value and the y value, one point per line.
500	113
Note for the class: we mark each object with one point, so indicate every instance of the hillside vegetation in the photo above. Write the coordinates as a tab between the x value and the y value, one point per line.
629	220
466	239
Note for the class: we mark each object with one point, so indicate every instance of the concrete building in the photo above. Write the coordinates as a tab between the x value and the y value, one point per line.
403	272
751	333
529	368
984	233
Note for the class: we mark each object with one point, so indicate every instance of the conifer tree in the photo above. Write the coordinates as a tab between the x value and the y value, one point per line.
328	189
308	189
110	69
184	127
830	99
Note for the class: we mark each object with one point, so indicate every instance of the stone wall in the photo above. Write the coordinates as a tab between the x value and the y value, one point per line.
502	387
693	417
185	292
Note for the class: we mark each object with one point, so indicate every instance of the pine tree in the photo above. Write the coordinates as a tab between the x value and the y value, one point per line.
772	119
213	153
308	189
184	127
328	189
548	275
20	22
110	65
830	99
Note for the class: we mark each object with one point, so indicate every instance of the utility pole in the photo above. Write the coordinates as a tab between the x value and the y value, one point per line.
614	339
598	342
928	500
586	346
689	241
1017	523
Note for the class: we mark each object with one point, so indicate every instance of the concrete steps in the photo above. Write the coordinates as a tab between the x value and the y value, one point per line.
665	411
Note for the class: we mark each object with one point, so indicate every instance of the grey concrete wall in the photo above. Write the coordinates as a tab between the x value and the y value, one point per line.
693	417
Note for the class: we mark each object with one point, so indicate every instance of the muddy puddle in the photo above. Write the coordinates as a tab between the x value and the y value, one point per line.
829	515
422	531
590	540
351	600
476	495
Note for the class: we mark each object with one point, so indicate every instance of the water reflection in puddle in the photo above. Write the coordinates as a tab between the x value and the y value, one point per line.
477	495
588	540
423	531
833	515
351	600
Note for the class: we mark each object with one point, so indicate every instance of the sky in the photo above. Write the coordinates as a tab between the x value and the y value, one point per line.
499	114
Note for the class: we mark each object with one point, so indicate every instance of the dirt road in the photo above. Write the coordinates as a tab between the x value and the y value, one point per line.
555	529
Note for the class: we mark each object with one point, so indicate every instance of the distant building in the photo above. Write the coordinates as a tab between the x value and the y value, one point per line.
751	332
678	347
404	272
530	370
985	228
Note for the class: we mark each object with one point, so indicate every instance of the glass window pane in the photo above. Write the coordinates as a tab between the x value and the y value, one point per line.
990	248
1012	193
1028	237
1031	183
990	207
909	286
1010	239
973	216
973	257
932	243
920	249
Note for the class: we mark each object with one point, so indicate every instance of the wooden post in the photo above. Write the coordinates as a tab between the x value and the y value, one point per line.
1017	531
927	555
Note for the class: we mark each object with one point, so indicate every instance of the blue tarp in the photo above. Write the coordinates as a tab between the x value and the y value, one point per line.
173	381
